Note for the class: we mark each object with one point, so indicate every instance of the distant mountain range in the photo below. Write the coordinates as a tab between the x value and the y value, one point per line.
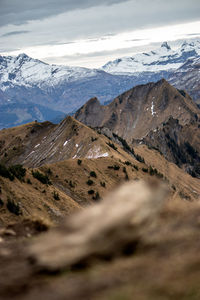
31	89
162	59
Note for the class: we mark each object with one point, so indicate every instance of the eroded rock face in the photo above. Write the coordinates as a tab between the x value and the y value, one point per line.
92	114
155	114
142	109
179	144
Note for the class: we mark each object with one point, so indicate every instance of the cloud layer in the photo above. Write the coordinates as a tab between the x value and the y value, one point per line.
21	11
29	25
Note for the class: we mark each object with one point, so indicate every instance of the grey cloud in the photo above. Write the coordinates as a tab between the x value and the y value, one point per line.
8	49
193	34
144	11
136	40
15	33
102	57
92	58
55	43
103	38
21	11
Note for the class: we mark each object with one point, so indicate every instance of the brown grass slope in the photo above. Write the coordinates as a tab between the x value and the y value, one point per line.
83	166
37	144
30	199
79	183
17	142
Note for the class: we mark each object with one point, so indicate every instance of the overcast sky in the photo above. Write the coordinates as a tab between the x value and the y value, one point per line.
91	32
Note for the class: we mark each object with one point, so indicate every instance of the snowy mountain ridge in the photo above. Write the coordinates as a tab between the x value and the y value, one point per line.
162	59
23	70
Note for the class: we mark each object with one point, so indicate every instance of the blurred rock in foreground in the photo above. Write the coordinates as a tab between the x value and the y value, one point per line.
110	228
134	244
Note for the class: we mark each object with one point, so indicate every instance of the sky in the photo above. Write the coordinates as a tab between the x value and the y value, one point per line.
89	33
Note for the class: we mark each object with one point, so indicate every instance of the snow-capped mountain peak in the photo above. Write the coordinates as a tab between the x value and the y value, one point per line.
162	59
165	45
23	70
22	56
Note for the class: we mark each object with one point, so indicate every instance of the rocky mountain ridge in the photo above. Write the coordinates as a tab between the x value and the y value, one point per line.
142	113
27	80
70	166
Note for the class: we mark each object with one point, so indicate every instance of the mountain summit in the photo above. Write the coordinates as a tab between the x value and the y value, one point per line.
155	114
139	110
165	45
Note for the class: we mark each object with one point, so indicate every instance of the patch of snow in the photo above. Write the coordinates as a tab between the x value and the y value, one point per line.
53	152
4	88
29	155
37	145
65	143
96	153
152	109
79	149
104	154
76	145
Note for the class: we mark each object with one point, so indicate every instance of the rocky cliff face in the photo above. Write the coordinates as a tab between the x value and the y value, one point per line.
140	110
142	113
179	144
